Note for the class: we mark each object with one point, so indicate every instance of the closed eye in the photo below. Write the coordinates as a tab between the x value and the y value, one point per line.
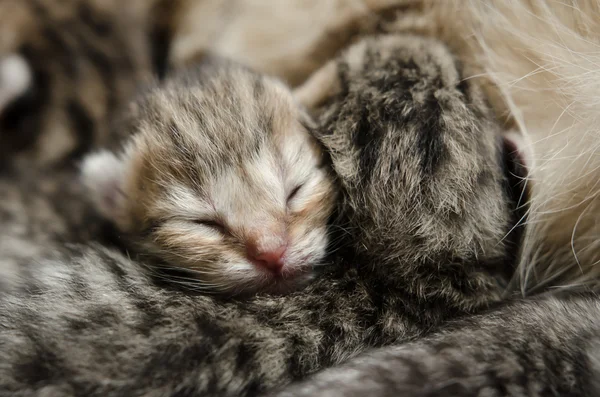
294	192
211	224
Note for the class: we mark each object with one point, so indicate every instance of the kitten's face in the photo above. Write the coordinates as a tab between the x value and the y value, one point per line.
224	180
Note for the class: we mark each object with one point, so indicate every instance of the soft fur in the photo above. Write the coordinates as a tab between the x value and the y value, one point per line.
40	211
540	347
448	171
542	60
537	60
89	321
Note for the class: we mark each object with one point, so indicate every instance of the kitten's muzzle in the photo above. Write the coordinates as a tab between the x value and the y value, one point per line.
271	260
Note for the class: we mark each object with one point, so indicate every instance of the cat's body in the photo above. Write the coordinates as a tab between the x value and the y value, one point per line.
541	57
88	321
539	347
92	322
40	211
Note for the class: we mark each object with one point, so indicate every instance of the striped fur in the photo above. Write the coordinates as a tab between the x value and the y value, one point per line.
89	321
541	347
535	58
40	211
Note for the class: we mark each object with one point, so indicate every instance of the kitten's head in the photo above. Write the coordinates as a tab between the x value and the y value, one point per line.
222	179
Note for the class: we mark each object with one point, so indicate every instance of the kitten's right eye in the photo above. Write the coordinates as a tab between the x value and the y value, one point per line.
211	224
293	193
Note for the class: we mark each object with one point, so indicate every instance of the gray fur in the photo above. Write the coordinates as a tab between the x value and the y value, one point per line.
541	347
419	162
41	211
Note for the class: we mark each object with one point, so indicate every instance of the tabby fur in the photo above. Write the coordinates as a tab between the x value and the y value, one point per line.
535	59
547	346
89	321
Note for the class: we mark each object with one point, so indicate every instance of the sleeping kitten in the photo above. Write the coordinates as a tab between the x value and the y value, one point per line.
220	179
426	214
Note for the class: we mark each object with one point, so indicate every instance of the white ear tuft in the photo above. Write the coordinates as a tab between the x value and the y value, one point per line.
15	78
103	175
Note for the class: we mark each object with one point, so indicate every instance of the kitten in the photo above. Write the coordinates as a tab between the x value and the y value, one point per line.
425	209
547	346
66	68
220	179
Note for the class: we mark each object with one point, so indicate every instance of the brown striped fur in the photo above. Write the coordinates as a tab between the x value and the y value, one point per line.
535	58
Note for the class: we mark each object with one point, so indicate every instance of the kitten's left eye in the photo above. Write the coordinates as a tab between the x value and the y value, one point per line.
294	192
211	224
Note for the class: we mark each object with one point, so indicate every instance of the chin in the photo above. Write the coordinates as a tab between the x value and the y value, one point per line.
282	286
276	284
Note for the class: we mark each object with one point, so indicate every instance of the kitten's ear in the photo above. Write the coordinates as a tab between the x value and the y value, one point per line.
16	78
103	175
321	85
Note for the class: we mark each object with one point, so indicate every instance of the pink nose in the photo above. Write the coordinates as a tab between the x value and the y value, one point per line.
271	260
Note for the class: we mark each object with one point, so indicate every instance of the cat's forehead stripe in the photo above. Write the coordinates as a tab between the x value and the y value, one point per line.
211	129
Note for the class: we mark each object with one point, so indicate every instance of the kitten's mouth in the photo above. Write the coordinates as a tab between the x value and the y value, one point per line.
291	277
289	273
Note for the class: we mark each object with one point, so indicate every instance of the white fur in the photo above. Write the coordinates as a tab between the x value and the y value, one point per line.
103	175
542	58
15	78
